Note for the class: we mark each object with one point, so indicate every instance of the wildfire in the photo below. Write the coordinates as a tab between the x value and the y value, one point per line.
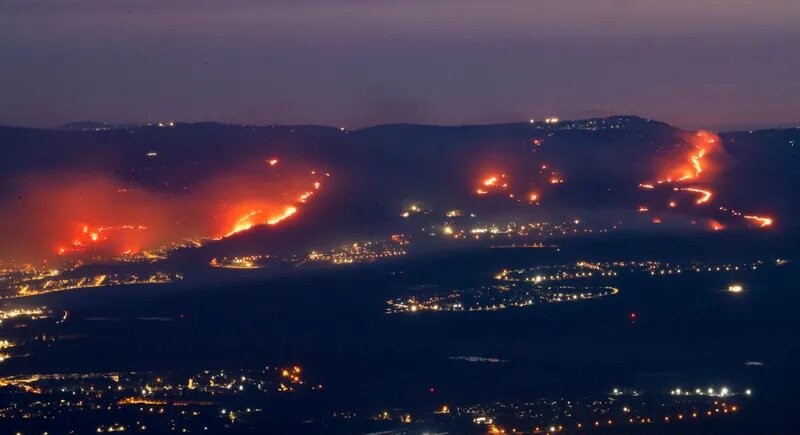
690	167
305	196
492	182
705	195
71	215
257	216
286	213
96	237
245	222
763	221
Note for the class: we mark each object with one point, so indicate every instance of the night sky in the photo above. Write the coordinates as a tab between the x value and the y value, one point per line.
693	63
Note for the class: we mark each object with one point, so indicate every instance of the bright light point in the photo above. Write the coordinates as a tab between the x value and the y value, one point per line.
735	288
748	392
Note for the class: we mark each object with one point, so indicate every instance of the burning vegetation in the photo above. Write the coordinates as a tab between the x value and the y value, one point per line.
89	215
698	166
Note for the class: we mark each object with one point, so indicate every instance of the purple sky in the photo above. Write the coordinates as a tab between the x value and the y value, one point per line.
693	63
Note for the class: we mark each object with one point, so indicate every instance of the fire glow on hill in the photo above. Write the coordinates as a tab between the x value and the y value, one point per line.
697	167
70	214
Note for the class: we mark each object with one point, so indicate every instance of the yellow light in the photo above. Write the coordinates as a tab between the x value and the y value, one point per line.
735	288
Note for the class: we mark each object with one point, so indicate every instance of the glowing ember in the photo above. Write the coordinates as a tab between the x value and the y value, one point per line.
491	181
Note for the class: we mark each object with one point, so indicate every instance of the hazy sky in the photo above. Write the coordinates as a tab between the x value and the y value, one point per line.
694	63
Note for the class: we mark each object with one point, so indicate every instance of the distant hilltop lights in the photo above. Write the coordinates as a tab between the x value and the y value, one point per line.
735	288
550	120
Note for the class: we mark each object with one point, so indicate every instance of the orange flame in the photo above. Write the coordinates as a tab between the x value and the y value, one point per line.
763	221
692	165
705	195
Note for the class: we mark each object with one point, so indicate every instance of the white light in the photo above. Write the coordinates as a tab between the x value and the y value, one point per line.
748	392
724	391
735	288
